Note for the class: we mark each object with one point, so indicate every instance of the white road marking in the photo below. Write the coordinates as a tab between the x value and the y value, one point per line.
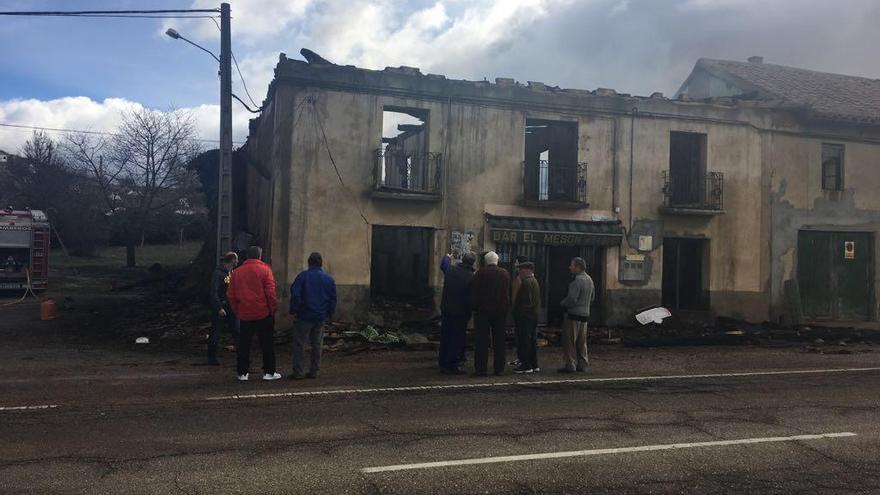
583	453
452	386
28	408
106	378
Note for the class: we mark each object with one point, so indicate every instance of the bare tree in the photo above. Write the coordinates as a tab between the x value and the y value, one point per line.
141	169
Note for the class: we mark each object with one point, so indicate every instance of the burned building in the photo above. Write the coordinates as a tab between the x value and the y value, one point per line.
701	203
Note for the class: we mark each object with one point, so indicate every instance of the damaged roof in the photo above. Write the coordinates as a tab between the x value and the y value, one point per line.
833	96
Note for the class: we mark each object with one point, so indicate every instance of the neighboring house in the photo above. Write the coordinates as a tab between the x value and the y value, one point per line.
821	169
696	205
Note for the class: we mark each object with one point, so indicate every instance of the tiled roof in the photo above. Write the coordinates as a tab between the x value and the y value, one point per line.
834	96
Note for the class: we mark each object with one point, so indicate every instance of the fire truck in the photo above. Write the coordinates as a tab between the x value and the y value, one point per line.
24	249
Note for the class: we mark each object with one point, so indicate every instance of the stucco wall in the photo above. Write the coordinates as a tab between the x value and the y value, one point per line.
769	176
798	202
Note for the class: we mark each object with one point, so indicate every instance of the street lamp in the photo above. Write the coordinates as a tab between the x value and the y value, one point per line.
224	172
174	34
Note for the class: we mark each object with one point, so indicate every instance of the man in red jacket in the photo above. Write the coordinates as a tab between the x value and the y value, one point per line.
251	294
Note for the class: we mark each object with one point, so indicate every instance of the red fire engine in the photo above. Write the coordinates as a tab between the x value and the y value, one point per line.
24	249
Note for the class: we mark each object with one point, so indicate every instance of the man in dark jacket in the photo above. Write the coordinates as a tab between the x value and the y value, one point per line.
220	309
490	301
526	305
312	301
252	296
455	312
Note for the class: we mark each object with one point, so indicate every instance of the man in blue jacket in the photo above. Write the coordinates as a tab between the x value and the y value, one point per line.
312	301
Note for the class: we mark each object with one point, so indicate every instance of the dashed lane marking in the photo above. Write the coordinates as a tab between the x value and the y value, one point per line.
618	450
28	408
479	385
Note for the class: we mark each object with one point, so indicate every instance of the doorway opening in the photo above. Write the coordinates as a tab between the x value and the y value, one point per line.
559	276
400	264
686	274
552	172
836	275
687	169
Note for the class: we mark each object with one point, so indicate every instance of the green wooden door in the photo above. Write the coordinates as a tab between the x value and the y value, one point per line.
853	271
835	274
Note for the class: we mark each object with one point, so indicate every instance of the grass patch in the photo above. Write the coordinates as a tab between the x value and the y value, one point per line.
168	255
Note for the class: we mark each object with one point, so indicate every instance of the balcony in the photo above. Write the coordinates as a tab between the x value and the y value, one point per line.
551	185
683	196
412	176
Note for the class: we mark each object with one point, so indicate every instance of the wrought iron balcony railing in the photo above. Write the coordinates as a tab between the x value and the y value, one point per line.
546	182
701	194
397	171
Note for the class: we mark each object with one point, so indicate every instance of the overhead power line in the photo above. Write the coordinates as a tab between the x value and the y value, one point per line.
240	76
99	12
80	131
123	16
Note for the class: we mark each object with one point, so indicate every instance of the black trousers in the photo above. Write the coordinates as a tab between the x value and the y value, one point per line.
216	325
490	327
527	342
453	330
265	331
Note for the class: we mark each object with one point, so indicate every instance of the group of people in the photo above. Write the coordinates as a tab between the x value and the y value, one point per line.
244	297
490	296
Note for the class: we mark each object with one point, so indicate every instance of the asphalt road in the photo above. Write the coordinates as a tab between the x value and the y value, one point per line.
127	421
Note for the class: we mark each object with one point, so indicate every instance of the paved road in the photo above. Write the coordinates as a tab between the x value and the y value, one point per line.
128	422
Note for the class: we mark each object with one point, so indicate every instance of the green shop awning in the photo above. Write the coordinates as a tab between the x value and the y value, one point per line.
554	232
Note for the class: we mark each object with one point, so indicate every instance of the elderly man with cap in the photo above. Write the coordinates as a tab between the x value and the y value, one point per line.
526	305
455	312
490	301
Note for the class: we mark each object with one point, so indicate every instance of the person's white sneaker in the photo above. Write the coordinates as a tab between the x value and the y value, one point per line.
273	376
243	378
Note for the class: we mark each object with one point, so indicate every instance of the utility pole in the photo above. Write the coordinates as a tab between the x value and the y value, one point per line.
224	169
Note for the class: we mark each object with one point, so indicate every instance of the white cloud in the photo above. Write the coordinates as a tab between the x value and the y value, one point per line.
85	114
634	46
251	20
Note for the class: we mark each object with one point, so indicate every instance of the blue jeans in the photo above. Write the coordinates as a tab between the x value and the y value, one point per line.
453	329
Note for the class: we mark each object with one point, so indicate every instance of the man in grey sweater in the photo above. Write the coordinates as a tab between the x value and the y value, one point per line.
574	330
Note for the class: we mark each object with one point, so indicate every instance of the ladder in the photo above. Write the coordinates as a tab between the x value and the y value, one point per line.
40	258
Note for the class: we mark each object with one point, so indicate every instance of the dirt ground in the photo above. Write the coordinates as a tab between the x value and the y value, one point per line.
100	303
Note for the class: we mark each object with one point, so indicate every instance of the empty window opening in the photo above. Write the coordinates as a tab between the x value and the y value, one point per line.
400	264
404	160
832	167
687	169
686	273
551	166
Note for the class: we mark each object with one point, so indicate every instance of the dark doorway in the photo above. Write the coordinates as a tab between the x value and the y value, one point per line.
686	274
558	277
835	274
687	168
400	264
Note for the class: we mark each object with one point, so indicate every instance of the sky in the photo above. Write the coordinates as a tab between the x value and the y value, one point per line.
79	73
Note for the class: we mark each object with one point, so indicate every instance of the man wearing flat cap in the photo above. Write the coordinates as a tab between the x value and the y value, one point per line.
526	305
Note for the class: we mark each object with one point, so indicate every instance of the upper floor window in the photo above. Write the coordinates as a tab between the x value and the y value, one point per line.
687	168
552	173
832	167
403	161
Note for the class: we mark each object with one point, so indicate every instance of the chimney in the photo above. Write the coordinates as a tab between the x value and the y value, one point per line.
756	59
